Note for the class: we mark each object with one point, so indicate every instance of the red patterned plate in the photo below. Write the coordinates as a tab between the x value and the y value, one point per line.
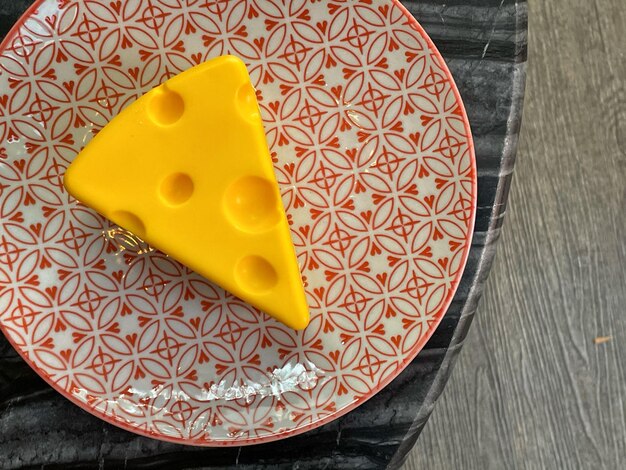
373	153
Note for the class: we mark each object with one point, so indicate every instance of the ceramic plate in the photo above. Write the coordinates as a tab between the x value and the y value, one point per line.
374	158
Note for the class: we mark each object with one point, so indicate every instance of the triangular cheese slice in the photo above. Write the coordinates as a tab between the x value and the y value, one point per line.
187	169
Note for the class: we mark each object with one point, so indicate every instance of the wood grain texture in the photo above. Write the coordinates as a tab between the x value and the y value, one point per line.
532	389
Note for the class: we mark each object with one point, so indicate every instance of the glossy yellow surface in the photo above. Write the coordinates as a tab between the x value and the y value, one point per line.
186	168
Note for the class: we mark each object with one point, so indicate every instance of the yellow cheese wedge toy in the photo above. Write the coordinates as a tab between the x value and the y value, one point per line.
187	169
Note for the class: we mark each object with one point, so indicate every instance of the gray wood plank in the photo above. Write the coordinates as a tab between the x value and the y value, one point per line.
532	389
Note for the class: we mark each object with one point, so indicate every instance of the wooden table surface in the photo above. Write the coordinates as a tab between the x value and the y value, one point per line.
541	381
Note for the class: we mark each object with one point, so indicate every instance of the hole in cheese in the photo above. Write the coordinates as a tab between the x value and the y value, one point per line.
177	189
247	102
165	107
255	274
130	222
252	204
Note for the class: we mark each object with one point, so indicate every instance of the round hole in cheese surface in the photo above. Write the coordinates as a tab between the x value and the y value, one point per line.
247	103
252	204
165	106
255	274
177	189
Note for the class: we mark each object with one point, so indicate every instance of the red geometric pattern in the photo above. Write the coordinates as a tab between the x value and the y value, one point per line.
374	158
